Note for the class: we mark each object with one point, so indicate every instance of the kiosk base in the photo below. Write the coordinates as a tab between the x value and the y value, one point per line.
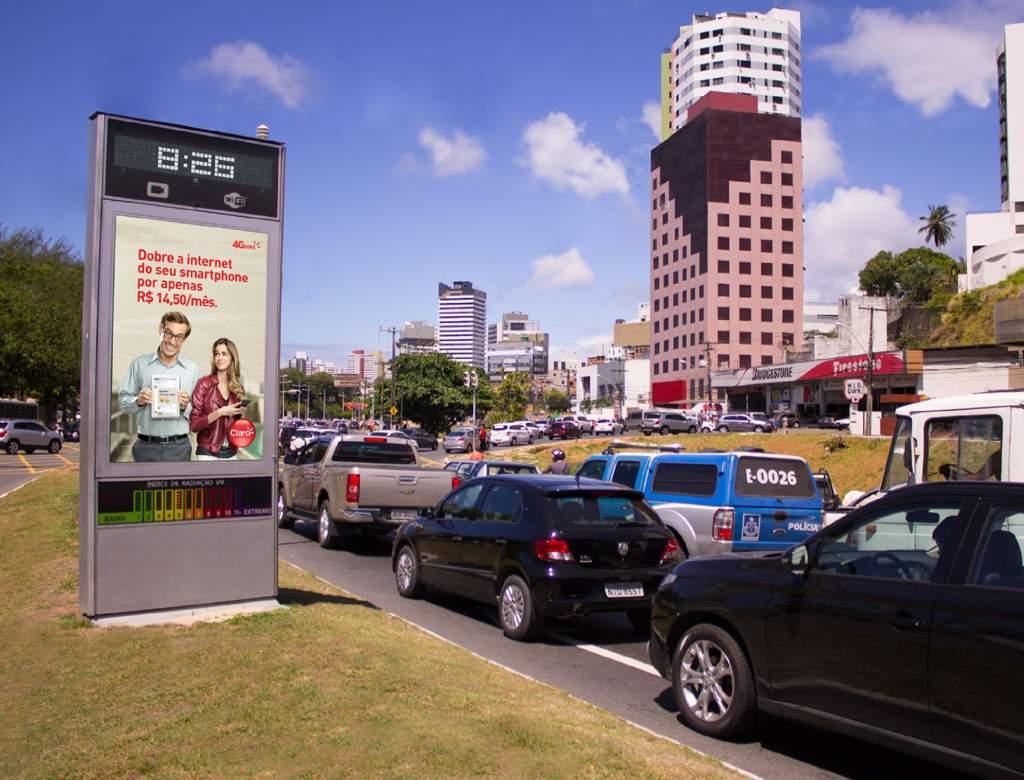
213	613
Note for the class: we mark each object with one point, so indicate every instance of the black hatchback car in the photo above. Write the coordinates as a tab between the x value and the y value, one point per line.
537	547
902	624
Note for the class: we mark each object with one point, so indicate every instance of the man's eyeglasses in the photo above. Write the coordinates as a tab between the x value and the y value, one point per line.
177	338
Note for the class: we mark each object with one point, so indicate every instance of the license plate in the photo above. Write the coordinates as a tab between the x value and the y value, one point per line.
402	514
624	591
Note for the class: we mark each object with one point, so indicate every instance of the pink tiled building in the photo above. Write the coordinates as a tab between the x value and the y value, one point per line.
727	279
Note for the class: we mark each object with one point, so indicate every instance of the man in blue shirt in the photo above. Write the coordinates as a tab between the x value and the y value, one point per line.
162	436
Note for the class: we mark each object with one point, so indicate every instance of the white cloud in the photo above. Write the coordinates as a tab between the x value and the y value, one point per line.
926	59
244	63
652	117
845	232
568	269
823	159
459	154
556	154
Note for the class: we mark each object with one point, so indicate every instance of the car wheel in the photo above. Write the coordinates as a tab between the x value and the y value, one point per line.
516	611
54	447
13	446
284	520
712	683
758	429
647	433
795	425
722	429
407	574
326	533
692	429
664	430
640	619
529	440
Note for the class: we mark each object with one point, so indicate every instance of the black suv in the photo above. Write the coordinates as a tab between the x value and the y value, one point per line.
902	624
539	546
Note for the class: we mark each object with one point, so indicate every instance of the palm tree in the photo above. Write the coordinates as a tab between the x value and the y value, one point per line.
938	225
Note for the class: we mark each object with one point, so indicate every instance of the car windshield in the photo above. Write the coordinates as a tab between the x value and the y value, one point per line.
601	511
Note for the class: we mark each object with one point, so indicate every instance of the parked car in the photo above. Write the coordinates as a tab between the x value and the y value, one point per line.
634	420
670	422
564	429
585	424
511	433
424	440
470	469
542	427
539	547
787	419
900	624
743	423
628	469
829	421
459	440
28	435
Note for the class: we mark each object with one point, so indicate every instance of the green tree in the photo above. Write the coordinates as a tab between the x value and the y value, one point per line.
430	391
938	225
511	397
556	401
924	273
880	275
41	284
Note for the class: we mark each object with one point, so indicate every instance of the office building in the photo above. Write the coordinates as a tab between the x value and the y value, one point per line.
995	240
751	53
301	362
632	339
417	337
516	344
726	245
462	322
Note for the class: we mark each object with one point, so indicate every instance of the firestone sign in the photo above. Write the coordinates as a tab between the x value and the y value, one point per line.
852	367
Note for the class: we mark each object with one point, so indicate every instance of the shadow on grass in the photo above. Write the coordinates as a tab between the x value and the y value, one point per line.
293	597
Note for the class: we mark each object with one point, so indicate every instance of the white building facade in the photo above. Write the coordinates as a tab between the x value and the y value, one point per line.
995	240
462	322
743	53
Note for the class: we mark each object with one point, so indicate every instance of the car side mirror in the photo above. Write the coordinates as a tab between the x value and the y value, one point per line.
427	512
797	560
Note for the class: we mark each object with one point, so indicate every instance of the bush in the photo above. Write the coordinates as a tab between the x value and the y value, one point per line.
834	443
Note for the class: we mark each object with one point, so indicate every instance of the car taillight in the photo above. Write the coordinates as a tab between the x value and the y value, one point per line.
722	524
376	439
352	489
3	432
671	553
552	550
456	482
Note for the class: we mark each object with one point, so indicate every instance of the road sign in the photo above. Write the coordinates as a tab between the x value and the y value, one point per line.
855	390
393	410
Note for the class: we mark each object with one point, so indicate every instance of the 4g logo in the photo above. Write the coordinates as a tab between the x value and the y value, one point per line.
250	245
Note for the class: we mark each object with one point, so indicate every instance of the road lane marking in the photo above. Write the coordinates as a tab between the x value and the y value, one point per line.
29	466
568	640
69	462
625	660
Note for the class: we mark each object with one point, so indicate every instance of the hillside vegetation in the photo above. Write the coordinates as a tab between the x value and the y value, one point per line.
968	316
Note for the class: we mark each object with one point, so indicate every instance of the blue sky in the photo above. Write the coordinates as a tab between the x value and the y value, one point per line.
501	143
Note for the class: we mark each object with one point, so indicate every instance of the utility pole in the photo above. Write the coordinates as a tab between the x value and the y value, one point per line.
869	379
709	347
392	330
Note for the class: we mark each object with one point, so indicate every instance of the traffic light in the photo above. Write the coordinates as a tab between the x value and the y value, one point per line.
474	379
465	378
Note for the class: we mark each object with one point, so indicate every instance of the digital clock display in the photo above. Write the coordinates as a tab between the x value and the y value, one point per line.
168	165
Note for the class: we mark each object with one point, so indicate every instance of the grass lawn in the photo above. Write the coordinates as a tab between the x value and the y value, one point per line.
330	687
858	466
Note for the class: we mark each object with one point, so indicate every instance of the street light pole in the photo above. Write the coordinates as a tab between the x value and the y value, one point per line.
870	374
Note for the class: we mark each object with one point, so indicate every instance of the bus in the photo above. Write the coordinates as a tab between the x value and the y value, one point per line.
12	409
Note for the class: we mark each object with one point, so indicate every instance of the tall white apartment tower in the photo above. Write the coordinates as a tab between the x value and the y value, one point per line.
995	240
742	53
462	322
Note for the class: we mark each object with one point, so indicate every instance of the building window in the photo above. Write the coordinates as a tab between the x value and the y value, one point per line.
744	315
664	259
657	348
675	255
686	250
766	269
787	269
701	313
787	315
723	220
744	220
675	364
766	177
723	337
787	158
787	247
787	201
657	283
766	223
675	342
787	339
744	337
1018	205
657	307
787	180
723	313
745	244
664	366
701	289
723	266
656	369
675	277
664	239
723	242
766	245
664	218
744	291
787	293
767	360
675	299
766	315
766	339
723	291
675	320
744	268
766	291
676	236
744	361
766	200
693	339
654	244
787	224
657	328
723	362
744	198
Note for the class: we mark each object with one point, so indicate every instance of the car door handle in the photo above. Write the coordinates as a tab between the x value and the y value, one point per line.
902	620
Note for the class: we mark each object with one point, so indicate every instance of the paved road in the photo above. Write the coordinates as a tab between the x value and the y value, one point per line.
600	660
16	470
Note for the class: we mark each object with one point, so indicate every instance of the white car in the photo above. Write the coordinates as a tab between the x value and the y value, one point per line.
511	433
607	426
398	436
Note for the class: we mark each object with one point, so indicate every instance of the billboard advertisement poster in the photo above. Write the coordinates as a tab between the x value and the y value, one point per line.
188	342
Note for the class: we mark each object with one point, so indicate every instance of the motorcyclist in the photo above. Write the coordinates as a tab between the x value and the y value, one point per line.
558	463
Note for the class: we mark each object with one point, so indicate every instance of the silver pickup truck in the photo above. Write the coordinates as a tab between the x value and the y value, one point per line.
353	483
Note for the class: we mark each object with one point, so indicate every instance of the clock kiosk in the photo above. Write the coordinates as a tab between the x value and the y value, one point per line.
180	342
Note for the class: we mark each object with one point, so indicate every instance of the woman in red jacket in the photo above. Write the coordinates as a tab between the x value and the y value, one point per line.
217	399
